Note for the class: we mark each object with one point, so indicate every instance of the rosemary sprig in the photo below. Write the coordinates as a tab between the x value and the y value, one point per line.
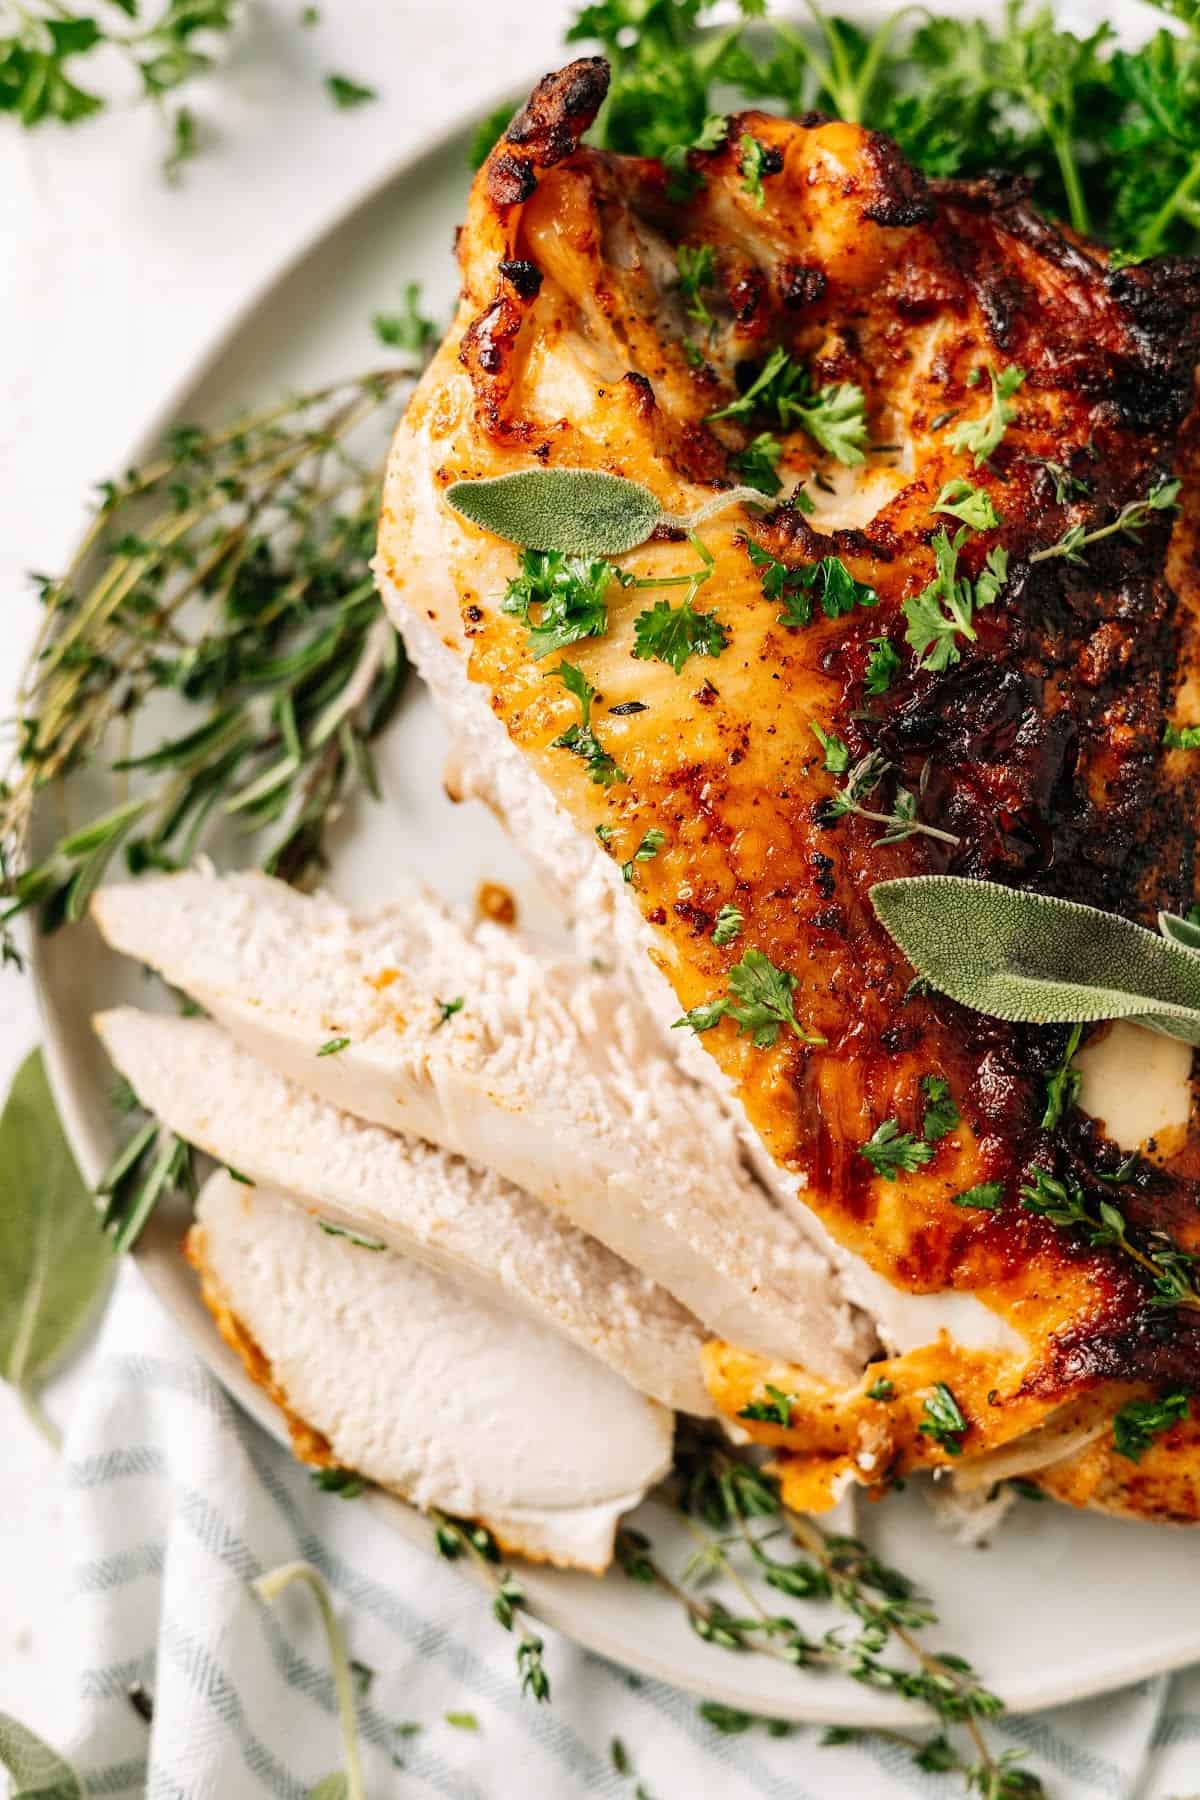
233	572
460	1537
737	1519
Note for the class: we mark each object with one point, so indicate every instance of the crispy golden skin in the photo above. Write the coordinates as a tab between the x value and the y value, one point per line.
1039	751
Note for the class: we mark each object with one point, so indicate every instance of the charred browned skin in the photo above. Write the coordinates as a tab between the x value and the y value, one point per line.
1040	750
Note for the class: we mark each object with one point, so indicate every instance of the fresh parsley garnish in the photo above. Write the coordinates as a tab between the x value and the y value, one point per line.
942	1420
646	851
883	664
892	1152
334	1046
408	330
448	1008
581	739
1181	737
943	611
757	465
836	750
941	1114
776	1409
352	1237
343	1482
973	505
671	634
982	436
987	1197
697	267
833	416
346	93
759	1001
728	926
1063	1083
827	582
1139	1422
754	164
882	1389
570	593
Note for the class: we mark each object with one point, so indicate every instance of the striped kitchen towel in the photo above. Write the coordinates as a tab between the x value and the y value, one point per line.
177	1501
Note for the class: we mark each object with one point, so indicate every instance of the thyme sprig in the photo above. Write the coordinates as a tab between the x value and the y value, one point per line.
900	823
233	572
740	1525
1174	1273
460	1537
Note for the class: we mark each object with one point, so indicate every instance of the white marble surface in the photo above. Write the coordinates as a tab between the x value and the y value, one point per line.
111	286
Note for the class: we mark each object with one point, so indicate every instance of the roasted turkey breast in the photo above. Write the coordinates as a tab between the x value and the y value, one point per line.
800	309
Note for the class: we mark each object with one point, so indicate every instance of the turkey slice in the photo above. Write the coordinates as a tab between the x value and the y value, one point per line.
461	1220
393	1371
549	1074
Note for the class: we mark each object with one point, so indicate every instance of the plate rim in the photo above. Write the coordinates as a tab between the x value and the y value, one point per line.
150	1258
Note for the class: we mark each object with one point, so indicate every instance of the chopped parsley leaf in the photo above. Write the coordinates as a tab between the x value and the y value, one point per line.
1139	1422
649	848
882	1389
987	1197
1063	1083
697	271
758	463
338	1481
776	1409
580	739
973	505
982	436
892	1152
346	93
883	665
671	634
829	581
945	609
409	330
571	592
941	1114
1181	737
759	1001
334	1046
753	161
833	416
353	1237
943	1420
448	1008
837	751
728	926
462	1721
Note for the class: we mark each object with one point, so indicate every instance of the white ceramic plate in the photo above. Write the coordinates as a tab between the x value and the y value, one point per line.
1046	1564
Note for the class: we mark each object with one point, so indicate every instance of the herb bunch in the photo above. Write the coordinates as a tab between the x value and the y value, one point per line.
233	573
760	1550
1110	138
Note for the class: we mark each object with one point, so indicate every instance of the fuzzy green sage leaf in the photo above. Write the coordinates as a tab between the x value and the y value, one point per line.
55	1260
1043	961
37	1772
585	512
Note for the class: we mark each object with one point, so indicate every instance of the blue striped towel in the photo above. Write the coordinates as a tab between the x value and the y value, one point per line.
177	1501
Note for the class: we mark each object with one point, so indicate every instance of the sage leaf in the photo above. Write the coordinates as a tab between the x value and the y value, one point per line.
584	512
1180	931
55	1260
37	1771
1039	960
